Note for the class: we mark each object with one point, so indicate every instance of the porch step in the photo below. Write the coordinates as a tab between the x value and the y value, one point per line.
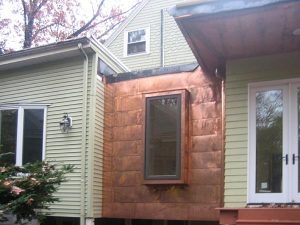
260	216
266	222
268	216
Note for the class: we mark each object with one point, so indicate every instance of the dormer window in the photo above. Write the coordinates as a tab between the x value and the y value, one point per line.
136	42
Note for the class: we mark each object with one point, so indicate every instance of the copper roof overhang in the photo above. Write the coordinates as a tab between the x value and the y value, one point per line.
239	32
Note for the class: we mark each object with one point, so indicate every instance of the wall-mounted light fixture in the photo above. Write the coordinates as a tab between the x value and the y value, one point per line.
66	123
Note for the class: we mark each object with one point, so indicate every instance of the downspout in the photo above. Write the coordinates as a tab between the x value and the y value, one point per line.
223	142
83	145
162	52
220	73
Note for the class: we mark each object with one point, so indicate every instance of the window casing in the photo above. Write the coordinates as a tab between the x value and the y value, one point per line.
22	132
137	42
166	137
274	137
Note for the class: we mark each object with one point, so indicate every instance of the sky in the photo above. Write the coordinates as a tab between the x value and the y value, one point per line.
14	40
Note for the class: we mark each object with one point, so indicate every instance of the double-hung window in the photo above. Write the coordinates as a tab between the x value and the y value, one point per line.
22	133
274	137
136	42
166	133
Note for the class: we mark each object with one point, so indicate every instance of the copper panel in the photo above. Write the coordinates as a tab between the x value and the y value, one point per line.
205	110
127	163
206	126
205	160
208	176
127	148
128	178
128	103
121	210
127	196
206	143
161	211
207	212
126	88
162	83
128	118
127	133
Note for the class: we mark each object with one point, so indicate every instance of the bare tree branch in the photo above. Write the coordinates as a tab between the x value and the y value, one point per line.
112	17
38	8
43	28
85	26
108	30
89	24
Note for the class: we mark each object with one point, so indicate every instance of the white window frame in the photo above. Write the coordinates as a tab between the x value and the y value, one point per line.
290	142
20	128
147	40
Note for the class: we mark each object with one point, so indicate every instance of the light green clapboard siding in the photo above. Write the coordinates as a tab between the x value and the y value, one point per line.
239	74
58	84
176	50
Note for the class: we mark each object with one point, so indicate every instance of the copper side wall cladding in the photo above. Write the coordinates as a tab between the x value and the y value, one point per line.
125	195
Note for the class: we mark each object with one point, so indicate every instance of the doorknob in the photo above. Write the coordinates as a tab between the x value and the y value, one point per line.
286	157
294	158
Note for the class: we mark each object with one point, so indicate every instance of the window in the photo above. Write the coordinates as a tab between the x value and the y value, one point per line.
22	130
274	142
136	42
104	69
165	137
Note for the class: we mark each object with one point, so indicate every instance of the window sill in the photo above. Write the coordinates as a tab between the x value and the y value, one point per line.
164	182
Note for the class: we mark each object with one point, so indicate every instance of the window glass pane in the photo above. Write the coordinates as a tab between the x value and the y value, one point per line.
104	69
269	115
8	135
136	36
33	135
163	135
136	48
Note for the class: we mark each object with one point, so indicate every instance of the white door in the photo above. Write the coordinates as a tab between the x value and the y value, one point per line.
294	166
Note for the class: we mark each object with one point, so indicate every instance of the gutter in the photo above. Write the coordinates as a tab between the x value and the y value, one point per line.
83	146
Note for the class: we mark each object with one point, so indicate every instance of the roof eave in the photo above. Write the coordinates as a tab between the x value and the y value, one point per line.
206	7
45	53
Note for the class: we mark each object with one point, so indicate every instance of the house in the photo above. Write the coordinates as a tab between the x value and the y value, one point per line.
147	146
163	147
38	88
255	47
149	38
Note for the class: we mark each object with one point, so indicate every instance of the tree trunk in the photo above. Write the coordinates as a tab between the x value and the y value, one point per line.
28	33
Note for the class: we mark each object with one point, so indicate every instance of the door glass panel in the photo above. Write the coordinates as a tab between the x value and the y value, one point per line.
298	138
33	135
8	135
269	133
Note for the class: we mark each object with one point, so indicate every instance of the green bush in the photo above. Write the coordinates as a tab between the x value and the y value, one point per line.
28	190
